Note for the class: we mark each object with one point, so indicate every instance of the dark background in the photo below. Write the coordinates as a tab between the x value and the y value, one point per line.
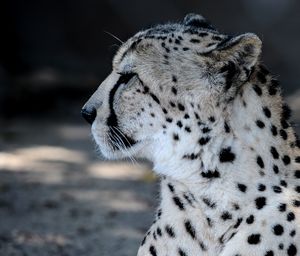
56	196
57	50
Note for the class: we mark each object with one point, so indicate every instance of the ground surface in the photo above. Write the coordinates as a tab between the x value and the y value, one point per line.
57	198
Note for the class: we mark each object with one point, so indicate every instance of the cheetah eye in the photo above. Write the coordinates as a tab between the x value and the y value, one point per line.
126	77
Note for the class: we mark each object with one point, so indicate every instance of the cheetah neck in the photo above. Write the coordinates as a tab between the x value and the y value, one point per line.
250	150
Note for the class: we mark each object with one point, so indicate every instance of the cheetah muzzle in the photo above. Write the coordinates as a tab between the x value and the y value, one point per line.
210	117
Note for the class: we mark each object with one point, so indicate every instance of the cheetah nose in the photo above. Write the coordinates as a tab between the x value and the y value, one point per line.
89	114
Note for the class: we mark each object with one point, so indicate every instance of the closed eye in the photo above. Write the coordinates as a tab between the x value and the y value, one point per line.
126	77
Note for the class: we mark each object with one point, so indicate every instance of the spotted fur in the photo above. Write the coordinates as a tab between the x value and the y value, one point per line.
202	108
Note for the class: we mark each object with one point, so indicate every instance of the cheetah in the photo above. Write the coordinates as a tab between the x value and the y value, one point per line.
202	108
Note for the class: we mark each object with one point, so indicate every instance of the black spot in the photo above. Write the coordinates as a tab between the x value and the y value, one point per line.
254	239
187	198
226	127
242	187
297	189
210	44
179	124
217	38
297	159
293	233
154	235
154	98
282	207
191	156
277	189
174	90
235	206
260	124
195	41
260	162
281	246
226	155
172	104
212	119
177	41
165	111
274	153
278	230
297	174
202	246
292	250
190	229
181	252
186	116
284	124
283	183
238	223
210	174
230	70
206	129
144	240
159	213
261	187
296	203
169	119
283	134
275	169
158	231
209	222
286	160
181	107
152	250
269	253
170	231
226	216
286	112
203	34
175	136
187	129
290	216
273	87
261	77
257	89
250	219
146	89
260	202
209	203
171	187
178	202
274	130
202	141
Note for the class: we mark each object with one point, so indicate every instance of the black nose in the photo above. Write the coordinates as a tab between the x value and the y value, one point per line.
89	114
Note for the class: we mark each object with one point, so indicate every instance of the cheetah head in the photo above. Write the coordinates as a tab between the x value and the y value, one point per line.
166	82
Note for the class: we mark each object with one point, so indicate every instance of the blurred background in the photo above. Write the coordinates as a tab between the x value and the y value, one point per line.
56	196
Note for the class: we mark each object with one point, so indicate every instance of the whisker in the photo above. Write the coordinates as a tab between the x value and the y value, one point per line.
115	37
123	135
124	149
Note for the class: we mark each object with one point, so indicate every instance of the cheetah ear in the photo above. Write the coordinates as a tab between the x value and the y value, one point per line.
197	20
243	50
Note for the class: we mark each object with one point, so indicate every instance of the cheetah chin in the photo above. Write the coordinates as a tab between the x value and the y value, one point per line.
210	117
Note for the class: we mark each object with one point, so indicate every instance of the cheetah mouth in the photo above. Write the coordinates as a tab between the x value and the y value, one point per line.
119	140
